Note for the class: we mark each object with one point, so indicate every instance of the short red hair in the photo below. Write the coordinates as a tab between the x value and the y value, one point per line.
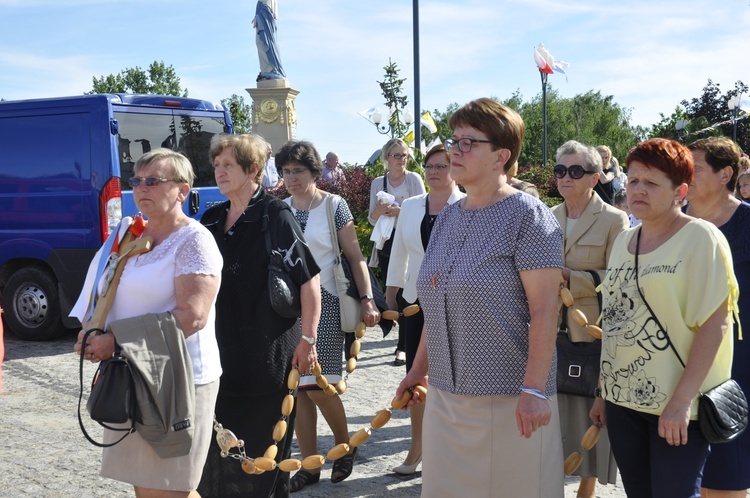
669	156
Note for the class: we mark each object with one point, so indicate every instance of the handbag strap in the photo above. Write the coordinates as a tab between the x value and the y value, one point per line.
648	306
332	229
80	398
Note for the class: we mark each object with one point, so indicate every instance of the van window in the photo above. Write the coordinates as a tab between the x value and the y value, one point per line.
187	134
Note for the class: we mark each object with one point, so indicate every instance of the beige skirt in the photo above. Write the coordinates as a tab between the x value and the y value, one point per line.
471	447
134	461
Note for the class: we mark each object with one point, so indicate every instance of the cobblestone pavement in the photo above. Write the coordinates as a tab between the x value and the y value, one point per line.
44	454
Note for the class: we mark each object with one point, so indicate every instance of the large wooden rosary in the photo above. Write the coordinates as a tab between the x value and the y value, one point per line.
589	439
227	441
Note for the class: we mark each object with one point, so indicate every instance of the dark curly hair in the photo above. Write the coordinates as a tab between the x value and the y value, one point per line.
302	153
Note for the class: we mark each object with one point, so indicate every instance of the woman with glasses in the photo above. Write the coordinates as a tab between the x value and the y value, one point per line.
668	294
258	347
300	166
172	289
418	215
589	228
401	184
489	286
717	159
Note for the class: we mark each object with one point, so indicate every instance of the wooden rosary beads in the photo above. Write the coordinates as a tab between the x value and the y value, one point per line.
227	441
591	436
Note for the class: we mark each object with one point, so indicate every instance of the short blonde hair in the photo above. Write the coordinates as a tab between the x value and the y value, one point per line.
249	149
182	170
389	146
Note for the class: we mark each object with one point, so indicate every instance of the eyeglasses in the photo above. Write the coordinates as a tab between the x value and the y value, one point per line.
289	172
398	156
151	181
436	166
465	144
575	171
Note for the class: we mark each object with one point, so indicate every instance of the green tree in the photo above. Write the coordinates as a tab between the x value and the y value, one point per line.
395	100
159	80
711	108
242	114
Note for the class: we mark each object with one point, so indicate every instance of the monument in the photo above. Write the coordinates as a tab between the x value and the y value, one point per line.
274	114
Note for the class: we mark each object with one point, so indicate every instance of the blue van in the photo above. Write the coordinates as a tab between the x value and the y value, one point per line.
64	166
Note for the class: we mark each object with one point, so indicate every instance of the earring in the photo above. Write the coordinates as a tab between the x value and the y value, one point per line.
676	202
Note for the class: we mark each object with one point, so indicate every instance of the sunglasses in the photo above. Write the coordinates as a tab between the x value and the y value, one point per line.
151	181
575	171
398	156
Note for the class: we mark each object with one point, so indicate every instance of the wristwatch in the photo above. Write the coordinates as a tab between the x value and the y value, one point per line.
310	340
597	392
366	296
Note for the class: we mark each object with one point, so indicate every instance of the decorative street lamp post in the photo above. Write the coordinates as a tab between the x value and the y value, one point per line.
734	106
392	126
547	65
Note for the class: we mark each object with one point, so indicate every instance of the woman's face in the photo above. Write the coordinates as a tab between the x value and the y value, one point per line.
161	199
650	192
397	158
571	188
477	166
297	178
745	187
707	185
230	178
437	171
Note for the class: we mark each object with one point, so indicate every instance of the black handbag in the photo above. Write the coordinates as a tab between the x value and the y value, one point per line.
722	410
112	399
577	366
577	362
282	291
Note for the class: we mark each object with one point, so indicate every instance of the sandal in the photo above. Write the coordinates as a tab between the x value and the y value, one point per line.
301	479
342	468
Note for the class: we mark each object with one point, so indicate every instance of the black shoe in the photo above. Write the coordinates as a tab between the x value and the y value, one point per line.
301	479
400	358
342	468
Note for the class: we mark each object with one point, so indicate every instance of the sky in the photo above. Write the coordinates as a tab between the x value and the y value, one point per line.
649	55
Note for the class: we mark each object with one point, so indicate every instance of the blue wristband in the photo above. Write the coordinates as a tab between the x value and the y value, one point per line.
534	392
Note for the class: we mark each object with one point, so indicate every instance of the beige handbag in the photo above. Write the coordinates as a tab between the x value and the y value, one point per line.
349	306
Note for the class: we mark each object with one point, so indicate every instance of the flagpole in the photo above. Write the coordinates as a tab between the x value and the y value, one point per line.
544	118
417	103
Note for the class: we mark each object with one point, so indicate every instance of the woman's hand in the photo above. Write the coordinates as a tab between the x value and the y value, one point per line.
369	313
380	210
531	414
97	348
597	414
412	379
673	422
305	357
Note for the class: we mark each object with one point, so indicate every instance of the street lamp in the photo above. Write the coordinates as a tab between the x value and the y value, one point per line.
734	106
391	127
681	126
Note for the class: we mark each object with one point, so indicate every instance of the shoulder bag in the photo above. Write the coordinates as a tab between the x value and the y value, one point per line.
722	411
350	307
282	290
577	362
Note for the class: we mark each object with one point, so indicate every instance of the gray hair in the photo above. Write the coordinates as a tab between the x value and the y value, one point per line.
182	170
591	158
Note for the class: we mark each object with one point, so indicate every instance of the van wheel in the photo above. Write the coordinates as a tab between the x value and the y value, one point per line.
32	306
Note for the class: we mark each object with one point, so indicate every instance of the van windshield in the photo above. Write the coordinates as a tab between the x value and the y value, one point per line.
186	133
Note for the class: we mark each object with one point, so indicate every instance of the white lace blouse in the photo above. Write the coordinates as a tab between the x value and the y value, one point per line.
147	286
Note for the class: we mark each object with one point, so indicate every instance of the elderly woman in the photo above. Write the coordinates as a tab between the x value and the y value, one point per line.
489	287
401	184
258	347
727	470
590	228
418	215
180	276
667	296
300	166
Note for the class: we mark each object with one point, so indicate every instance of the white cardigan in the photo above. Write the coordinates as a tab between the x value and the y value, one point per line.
407	252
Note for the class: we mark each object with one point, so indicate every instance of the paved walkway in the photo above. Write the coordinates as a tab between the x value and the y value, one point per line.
43	454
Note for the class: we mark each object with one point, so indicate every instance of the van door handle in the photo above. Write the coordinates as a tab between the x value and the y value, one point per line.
194	202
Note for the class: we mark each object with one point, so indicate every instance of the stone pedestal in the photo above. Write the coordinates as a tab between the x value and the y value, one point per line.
274	114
